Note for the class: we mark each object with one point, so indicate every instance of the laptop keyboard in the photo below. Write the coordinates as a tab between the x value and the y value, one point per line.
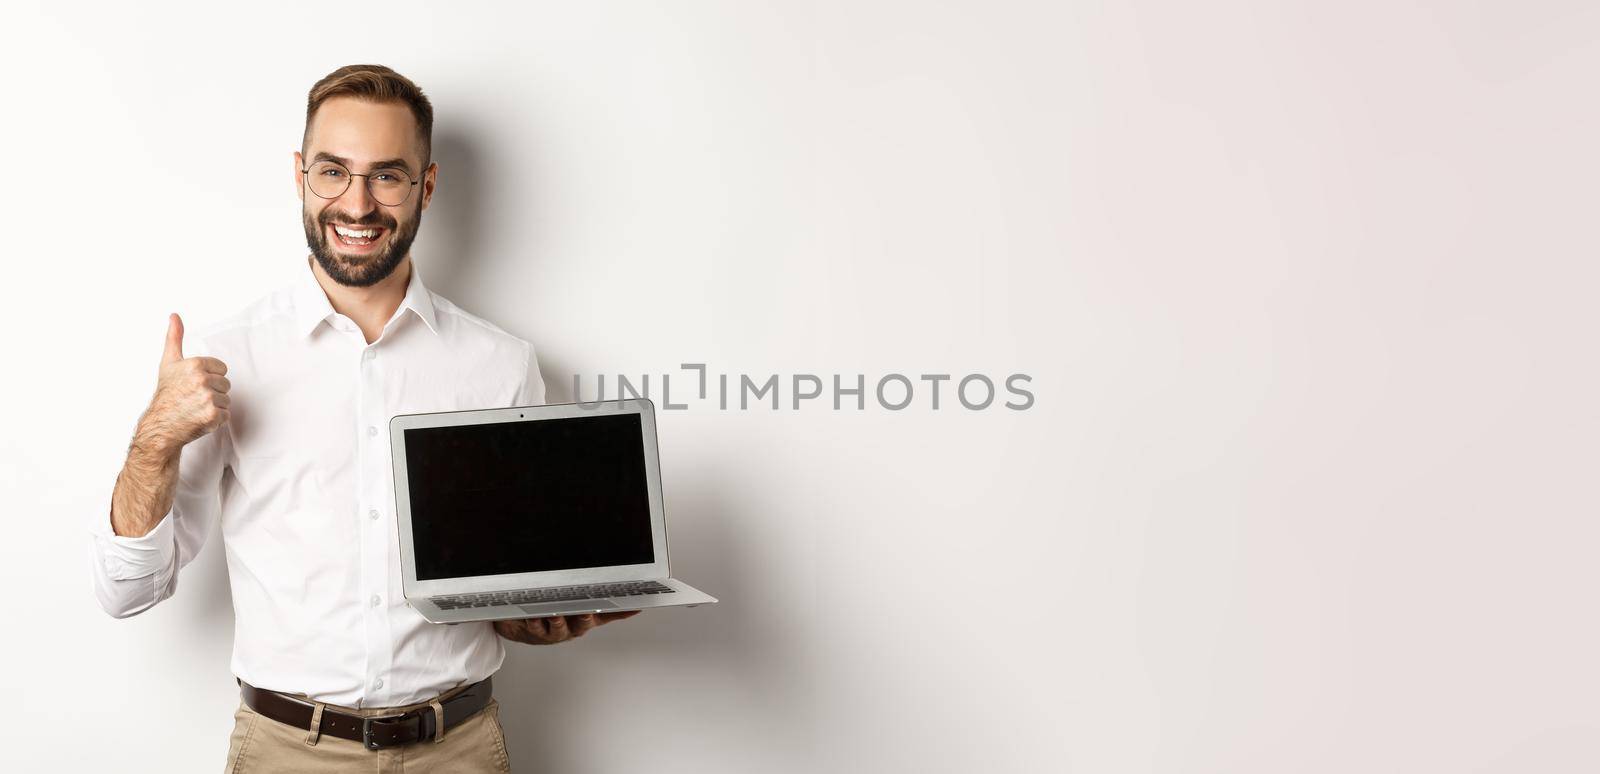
557	594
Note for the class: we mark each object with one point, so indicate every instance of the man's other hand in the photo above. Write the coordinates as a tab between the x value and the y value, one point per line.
191	398
555	628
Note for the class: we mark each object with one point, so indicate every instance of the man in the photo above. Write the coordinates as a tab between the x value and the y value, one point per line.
275	425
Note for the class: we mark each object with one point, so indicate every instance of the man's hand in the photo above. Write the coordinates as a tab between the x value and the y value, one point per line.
556	628
191	397
191	400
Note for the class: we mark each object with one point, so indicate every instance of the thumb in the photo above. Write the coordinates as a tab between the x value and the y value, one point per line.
174	350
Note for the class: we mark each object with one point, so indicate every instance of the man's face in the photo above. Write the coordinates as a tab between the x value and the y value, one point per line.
365	137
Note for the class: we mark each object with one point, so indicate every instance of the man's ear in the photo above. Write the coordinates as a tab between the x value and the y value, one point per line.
430	177
299	177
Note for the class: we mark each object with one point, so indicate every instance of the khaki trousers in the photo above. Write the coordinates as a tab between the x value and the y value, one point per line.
261	745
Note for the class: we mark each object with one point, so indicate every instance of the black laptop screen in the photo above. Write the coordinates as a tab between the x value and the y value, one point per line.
528	496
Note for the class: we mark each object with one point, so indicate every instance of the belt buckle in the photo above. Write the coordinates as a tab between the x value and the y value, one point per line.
366	730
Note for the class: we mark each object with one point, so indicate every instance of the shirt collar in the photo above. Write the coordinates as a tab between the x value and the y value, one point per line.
311	305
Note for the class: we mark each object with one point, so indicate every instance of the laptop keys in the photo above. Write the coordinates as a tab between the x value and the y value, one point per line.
559	594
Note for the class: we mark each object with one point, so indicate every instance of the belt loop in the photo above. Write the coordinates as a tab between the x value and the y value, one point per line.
438	721
315	732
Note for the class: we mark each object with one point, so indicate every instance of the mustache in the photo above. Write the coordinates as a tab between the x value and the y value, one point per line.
378	219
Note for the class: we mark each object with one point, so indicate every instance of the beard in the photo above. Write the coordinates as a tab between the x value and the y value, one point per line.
366	270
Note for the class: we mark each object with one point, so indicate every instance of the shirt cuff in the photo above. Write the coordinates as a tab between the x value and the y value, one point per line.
127	558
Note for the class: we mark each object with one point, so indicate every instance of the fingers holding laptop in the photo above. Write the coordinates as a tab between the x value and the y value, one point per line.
587	622
534	631
556	628
574	625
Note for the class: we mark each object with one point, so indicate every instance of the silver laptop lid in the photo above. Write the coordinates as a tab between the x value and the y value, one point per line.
530	496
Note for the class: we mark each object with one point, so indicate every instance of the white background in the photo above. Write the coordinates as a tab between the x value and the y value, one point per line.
1307	291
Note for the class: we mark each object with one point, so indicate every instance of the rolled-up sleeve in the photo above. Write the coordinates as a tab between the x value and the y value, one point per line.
132	574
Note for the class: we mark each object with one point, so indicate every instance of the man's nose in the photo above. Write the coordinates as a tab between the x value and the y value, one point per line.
356	200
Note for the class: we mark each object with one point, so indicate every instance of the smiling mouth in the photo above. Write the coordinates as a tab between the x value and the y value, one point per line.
357	238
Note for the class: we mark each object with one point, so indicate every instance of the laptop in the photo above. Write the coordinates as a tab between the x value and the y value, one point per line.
533	511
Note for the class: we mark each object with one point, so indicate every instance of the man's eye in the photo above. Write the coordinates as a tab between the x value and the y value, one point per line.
332	173
384	176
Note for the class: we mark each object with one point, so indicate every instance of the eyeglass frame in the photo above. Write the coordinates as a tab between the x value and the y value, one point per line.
306	175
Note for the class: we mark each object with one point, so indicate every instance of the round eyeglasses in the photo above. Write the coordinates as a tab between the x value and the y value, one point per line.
387	186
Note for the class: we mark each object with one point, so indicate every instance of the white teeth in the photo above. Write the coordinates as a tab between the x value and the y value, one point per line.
353	234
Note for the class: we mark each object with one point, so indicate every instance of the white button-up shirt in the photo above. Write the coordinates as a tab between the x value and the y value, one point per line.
300	480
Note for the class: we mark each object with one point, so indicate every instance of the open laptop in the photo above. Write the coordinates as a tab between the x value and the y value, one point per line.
533	511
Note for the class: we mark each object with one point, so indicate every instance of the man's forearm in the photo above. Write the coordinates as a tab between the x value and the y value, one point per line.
145	487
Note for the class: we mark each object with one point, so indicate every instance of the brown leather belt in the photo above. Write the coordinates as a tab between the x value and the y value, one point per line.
374	732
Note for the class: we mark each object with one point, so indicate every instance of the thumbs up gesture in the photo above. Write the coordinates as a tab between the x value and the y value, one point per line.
191	396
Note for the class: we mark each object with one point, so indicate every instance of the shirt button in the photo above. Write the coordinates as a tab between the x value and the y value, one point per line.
375	600
378	683
371	431
373	514
370	354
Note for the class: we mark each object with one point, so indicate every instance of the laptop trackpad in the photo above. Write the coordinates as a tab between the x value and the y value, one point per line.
566	608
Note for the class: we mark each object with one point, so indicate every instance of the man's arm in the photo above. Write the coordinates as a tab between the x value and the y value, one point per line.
164	501
531	391
145	486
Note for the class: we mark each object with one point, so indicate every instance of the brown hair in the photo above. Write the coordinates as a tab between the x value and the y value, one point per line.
375	83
